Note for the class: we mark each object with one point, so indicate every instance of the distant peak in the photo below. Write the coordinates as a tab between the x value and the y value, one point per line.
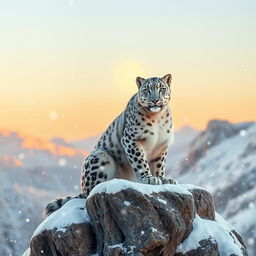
187	128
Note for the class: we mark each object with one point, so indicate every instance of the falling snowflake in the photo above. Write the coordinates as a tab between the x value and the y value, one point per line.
71	3
186	119
27	220
123	212
250	241
21	156
242	133
251	205
62	162
76	187
27	101
53	115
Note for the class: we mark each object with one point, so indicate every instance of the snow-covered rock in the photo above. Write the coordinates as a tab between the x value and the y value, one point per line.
67	230
127	218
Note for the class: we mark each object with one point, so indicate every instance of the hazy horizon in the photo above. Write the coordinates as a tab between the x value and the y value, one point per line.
25	134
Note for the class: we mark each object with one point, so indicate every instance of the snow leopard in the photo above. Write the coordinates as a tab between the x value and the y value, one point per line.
134	146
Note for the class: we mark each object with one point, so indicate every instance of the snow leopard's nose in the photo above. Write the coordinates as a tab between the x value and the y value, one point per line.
154	101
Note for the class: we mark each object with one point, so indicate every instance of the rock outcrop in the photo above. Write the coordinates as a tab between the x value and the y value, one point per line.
127	218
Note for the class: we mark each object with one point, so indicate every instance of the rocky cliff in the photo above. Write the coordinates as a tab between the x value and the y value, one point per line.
126	218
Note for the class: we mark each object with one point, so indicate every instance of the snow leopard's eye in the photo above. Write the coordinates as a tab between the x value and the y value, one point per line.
146	90
163	90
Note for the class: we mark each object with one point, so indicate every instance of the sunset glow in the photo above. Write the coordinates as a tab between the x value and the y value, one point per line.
41	144
67	70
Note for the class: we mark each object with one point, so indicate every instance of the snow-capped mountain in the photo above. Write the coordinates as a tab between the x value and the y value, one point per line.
222	159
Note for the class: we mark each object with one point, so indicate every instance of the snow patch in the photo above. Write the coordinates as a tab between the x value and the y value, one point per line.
207	229
159	233
116	246
161	201
129	249
115	185
72	212
191	187
63	230
127	203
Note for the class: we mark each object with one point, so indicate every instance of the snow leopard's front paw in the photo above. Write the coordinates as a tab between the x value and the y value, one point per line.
168	181
150	180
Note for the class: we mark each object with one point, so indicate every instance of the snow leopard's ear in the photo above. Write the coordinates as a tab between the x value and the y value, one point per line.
167	79
139	81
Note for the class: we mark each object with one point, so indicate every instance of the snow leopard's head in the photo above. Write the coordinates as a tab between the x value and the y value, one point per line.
154	92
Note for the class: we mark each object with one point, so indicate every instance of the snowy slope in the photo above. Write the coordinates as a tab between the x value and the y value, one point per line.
20	212
24	194
223	160
177	151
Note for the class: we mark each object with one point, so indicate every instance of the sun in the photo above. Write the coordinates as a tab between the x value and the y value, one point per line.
126	73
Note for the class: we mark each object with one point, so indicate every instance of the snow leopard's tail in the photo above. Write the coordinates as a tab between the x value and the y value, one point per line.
58	203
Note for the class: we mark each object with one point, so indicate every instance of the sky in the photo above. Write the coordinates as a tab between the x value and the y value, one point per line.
68	68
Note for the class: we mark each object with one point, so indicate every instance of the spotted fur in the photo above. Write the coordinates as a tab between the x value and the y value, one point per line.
135	145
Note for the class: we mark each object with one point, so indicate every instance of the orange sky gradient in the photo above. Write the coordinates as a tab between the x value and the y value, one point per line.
68	68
